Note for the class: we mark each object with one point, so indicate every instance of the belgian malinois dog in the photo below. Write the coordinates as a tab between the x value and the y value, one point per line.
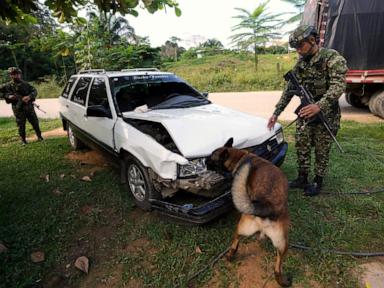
259	193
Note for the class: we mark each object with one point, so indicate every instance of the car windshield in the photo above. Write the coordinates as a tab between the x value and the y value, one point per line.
181	101
161	91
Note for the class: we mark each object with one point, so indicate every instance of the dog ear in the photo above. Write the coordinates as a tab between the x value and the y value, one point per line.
229	143
224	155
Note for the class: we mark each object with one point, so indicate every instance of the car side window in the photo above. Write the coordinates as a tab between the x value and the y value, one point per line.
98	93
80	93
68	87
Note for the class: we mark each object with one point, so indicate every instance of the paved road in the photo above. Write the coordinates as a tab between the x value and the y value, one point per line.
254	103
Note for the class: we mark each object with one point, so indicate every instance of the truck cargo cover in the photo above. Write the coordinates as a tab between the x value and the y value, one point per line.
355	28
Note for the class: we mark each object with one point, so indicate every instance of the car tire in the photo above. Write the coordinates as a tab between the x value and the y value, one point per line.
139	183
354	100
75	142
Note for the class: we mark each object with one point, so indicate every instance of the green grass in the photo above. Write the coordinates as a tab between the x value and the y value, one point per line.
48	89
150	251
234	72
9	131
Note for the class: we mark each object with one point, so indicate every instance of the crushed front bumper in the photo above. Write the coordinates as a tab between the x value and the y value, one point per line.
213	208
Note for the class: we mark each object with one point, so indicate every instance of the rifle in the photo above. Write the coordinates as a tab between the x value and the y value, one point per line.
38	107
18	101
306	98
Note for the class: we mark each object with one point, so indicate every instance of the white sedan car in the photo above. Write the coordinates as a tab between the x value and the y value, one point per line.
162	130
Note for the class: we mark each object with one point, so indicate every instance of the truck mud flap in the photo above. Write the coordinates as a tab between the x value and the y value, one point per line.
197	215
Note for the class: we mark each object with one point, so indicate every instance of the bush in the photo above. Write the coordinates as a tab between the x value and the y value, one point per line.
48	88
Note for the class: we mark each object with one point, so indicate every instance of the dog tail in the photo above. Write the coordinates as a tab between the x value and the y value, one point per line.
239	190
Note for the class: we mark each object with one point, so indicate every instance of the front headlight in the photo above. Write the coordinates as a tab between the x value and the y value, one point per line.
193	168
279	137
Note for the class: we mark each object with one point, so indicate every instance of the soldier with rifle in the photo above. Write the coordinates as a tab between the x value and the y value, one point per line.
21	95
318	78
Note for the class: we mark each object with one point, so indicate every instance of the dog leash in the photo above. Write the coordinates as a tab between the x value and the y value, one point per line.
210	264
351	253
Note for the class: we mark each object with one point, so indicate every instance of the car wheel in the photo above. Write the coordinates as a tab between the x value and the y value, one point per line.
75	143
354	100
139	184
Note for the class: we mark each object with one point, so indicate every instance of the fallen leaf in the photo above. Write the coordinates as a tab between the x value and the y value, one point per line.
67	266
82	263
62	176
37	257
86	209
198	250
3	248
57	192
86	179
45	177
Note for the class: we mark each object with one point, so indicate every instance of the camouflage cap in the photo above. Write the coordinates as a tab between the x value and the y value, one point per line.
14	70
301	33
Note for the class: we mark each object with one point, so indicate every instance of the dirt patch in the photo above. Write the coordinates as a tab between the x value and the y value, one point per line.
59	132
251	270
371	274
248	269
91	161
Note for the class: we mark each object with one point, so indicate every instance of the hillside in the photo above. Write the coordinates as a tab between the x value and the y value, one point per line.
234	72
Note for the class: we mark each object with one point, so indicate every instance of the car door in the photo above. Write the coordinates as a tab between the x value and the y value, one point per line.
64	98
76	105
101	127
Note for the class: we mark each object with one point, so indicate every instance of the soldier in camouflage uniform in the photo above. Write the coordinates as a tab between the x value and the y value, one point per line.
322	71
21	95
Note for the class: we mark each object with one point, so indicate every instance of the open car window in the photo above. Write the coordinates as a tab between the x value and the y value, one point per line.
155	91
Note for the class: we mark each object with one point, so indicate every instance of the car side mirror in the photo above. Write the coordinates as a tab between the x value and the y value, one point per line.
205	94
98	111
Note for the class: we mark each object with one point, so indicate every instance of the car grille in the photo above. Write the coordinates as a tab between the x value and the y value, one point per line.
267	150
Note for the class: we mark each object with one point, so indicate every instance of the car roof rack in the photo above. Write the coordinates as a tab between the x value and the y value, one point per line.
85	71
140	70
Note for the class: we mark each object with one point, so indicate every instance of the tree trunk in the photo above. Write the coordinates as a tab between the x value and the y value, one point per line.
256	58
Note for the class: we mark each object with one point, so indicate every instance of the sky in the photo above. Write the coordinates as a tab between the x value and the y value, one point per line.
200	20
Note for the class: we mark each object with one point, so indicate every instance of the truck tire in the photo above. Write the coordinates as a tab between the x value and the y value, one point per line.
354	100
139	183
75	142
376	103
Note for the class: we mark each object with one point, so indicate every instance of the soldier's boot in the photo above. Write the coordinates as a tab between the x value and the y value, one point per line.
314	188
24	141
300	182
38	134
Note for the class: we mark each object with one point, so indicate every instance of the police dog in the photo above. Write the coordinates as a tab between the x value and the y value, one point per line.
259	193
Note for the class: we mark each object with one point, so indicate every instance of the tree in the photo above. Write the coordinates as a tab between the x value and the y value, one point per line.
19	46
257	27
299	5
66	10
212	43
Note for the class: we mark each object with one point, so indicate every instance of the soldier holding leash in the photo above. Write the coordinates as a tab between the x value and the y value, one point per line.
21	95
322	71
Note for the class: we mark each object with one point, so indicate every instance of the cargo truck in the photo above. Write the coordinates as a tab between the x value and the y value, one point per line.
354	28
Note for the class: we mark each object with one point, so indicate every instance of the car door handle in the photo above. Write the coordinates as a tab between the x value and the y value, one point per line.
67	105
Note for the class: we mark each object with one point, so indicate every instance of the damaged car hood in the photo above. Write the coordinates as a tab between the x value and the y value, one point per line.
198	131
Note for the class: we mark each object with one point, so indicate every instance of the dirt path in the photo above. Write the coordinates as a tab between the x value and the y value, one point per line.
263	104
255	103
58	132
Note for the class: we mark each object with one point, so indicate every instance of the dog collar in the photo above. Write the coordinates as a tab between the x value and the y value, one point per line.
244	159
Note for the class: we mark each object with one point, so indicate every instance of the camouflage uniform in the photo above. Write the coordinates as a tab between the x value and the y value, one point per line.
324	76
22	111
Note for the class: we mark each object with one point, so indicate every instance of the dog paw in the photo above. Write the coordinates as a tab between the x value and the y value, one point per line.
283	280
